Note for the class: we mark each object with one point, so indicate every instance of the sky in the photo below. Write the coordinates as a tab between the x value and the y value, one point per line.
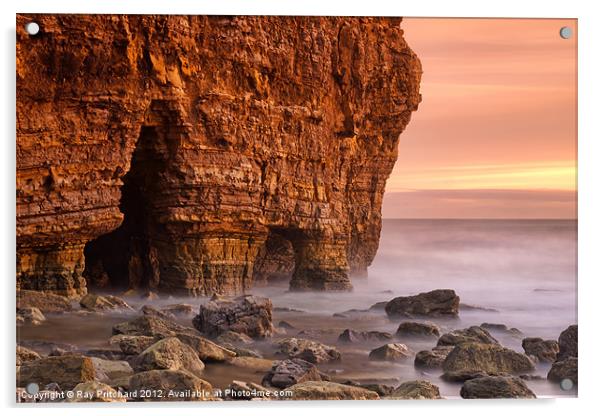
495	135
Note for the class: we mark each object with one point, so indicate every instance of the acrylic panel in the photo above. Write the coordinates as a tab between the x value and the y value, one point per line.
295	208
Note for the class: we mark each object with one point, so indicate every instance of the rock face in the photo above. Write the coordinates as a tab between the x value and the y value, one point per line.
489	358
248	315
496	388
170	152
441	302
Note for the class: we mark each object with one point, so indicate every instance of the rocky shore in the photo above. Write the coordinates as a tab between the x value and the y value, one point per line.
233	349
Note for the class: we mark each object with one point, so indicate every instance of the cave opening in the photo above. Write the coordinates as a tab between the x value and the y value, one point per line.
125	258
275	262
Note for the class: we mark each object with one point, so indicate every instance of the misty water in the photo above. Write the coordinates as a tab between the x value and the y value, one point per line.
522	271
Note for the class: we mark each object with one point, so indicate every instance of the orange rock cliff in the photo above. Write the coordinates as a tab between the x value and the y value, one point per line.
198	154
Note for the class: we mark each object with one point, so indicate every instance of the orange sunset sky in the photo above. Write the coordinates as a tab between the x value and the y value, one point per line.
495	135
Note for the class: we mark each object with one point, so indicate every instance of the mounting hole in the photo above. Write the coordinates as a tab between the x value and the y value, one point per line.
566	32
566	384
32	28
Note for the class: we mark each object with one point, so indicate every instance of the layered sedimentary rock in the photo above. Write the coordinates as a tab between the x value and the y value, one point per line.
165	151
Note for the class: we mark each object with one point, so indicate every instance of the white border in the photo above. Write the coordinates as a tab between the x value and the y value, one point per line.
590	204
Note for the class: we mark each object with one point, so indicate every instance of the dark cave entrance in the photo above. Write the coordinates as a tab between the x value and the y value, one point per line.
275	262
125	258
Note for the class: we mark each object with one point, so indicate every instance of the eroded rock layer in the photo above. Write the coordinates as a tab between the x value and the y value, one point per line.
164	151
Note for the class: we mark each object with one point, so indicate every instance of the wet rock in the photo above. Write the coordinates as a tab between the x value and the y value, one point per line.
246	390
312	351
111	369
432	358
205	349
416	390
178	309
44	301
252	363
285	325
326	390
25	355
381	389
568	343
30	315
107	354
234	338
94	391
102	303
489	358
285	373
438	303
242	352
378	306
150	311
391	352
171	380
352	336
153	327
544	350
169	354
461	376
249	315
501	328
417	330
565	369
467	335
496	387
67	371
132	344
316	333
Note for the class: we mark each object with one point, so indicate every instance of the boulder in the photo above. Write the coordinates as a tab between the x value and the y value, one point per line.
462	376
67	371
381	389
30	315
462	336
490	358
417	330
165	381
565	369
150	311
111	369
94	391
44	301
252	363
352	336
152	326
285	373
25	355
246	390
432	358
496	387
439	303
326	390
313	351
543	350
230	337
132	344
242	352
169	354
378	306
502	328
178	309
567	343
249	315
205	349
391	352
416	390
94	302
